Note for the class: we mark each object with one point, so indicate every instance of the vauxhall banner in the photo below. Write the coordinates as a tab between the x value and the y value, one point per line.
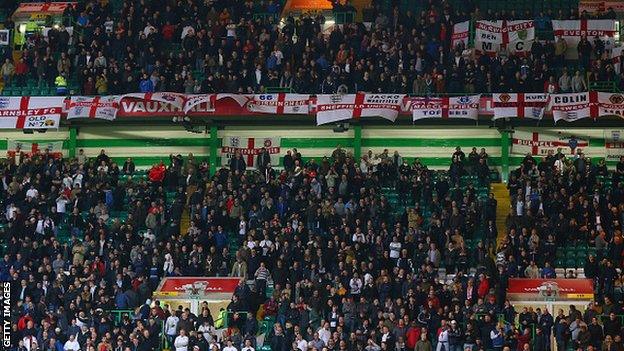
338	107
249	148
504	32
534	143
572	31
461	33
520	105
98	107
30	112
176	100
445	107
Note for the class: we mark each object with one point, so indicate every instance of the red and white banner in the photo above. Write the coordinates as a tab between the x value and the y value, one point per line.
98	107
279	104
610	104
534	143
520	105
48	8
574	106
30	112
249	148
236	103
33	148
338	107
595	7
504	32
177	286
573	30
445	107
461	32
551	289
176	100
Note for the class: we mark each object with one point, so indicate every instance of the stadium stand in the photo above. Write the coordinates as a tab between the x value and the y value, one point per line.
125	46
374	252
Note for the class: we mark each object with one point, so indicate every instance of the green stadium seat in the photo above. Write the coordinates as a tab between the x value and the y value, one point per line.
570	263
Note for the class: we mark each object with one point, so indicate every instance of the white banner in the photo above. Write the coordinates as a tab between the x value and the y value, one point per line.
280	104
35	147
573	30
614	144
30	112
249	148
445	107
534	143
504	32
574	106
338	107
520	105
99	107
461	32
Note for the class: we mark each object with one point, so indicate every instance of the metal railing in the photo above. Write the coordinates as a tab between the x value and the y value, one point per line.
344	17
604	86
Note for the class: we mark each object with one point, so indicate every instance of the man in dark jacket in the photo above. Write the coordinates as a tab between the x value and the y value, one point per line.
264	158
237	163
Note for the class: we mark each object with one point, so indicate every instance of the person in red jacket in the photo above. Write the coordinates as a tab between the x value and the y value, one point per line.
484	286
412	336
157	173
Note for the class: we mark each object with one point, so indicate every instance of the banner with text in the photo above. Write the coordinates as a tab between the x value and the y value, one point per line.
30	112
338	107
445	107
249	148
573	30
534	143
504	32
520	105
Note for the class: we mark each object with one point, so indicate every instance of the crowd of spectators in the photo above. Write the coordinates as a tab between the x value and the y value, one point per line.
560	200
224	46
349	269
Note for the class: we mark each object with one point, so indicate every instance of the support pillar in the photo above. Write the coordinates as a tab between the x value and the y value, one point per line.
71	143
214	146
504	155
357	142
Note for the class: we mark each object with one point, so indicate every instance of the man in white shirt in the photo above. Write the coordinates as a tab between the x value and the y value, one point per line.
248	346
71	344
171	325
61	203
324	333
32	192
181	342
229	346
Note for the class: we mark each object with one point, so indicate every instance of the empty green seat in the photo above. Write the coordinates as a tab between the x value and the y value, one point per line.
570	263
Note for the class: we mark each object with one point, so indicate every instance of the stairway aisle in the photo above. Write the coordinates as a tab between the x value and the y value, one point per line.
185	222
360	5
502	209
